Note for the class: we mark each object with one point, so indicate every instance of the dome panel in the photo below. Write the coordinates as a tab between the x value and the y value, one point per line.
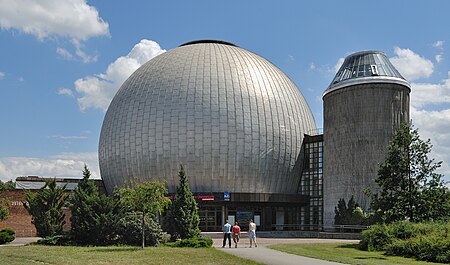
233	119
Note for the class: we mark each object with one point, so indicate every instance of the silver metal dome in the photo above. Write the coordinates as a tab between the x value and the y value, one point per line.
366	67
233	119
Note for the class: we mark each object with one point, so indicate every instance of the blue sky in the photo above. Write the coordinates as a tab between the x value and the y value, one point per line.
62	61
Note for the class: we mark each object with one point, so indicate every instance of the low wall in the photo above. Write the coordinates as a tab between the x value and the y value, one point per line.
292	234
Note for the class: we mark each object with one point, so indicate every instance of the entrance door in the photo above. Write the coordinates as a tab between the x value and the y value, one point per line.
280	219
210	218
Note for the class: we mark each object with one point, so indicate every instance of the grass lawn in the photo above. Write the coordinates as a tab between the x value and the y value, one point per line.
37	254
345	253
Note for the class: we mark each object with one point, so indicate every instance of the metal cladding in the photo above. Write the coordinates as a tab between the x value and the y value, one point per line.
366	67
233	119
363	106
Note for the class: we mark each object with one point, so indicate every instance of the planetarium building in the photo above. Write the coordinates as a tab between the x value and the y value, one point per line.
241	128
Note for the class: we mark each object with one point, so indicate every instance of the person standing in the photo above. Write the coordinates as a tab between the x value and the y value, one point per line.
226	234
236	234
252	232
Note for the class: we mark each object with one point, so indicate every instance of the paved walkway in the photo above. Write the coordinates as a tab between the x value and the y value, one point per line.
269	256
21	241
260	254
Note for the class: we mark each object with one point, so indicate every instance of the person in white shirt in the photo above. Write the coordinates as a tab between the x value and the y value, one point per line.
252	232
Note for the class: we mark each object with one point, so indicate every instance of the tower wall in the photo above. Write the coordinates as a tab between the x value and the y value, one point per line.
359	122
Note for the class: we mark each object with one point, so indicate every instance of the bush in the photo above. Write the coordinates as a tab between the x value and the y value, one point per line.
426	248
403	230
423	241
130	231
375	238
7	235
57	240
195	242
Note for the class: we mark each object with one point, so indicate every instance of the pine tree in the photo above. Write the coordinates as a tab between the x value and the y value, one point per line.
46	208
94	217
184	210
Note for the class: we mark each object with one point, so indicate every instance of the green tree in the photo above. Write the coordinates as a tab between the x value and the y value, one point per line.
46	208
183	216
409	187
94	217
349	213
7	186
4	209
148	198
4	203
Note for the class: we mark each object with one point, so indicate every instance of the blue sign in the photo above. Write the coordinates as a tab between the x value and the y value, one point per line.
226	196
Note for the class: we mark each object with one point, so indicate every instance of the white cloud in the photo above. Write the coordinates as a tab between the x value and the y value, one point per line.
63	165
435	125
65	91
439	44
338	64
427	93
74	19
411	65
2	75
439	57
63	53
49	19
97	91
81	54
312	66
68	137
430	113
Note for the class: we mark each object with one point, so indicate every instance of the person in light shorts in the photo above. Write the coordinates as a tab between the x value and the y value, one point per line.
252	232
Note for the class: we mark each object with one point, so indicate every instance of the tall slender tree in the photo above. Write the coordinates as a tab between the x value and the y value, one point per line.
184	210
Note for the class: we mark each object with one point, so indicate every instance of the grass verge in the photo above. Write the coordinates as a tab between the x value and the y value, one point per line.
346	253
37	254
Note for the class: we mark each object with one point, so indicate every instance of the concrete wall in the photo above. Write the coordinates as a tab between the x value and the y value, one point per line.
359	122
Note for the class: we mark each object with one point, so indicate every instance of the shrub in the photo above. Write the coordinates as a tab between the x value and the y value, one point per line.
426	248
195	242
375	238
423	241
57	240
7	235
130	231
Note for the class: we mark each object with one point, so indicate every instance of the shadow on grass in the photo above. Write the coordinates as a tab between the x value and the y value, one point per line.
354	246
115	249
370	257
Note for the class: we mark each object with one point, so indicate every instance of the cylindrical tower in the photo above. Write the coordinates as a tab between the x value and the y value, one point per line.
364	104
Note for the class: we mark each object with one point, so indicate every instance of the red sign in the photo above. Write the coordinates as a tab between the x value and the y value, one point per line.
204	197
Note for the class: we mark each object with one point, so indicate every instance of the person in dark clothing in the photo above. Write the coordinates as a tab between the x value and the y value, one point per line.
226	234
